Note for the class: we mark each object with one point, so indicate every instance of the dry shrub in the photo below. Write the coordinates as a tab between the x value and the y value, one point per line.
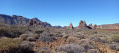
87	44
80	36
31	39
98	39
11	32
114	46
39	31
8	44
72	39
70	48
93	51
47	37
43	50
114	38
24	36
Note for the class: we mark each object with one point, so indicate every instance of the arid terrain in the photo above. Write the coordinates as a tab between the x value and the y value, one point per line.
21	35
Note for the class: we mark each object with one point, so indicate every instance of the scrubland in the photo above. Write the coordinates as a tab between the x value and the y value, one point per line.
54	40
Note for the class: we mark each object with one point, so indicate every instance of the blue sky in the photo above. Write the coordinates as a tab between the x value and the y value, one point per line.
63	12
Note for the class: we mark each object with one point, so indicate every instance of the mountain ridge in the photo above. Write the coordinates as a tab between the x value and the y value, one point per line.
20	20
23	21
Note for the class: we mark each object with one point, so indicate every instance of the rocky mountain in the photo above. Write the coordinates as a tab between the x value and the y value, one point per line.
15	20
21	21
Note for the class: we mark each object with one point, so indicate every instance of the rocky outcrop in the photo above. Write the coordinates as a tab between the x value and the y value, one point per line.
93	26
33	22
71	26
21	21
83	25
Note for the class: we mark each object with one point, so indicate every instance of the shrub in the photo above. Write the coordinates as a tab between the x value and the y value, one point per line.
43	50
93	51
27	44
47	37
80	36
8	44
114	38
31	39
87	44
70	48
35	36
11	32
72	39
39	31
24	36
114	46
96	39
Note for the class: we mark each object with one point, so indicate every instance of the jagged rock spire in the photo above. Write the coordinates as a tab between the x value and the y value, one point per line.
90	25
82	25
71	26
95	26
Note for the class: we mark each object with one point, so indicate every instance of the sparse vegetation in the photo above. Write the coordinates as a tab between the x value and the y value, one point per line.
41	37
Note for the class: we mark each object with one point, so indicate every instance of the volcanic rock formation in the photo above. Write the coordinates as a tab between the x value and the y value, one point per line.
82	25
93	26
71	26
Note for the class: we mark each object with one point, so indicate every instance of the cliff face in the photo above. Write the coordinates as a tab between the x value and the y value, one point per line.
20	21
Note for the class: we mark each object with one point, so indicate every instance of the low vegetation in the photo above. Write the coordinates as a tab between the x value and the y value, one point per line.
54	40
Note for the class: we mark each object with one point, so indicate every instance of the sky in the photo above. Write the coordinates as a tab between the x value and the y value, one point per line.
63	12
